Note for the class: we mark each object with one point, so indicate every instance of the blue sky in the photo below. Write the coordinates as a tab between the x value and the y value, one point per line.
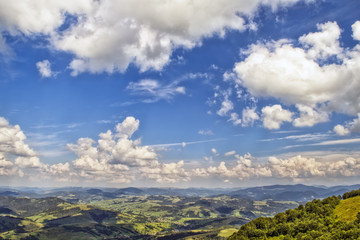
190	93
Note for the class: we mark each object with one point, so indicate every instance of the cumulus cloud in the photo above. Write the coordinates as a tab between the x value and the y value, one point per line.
6	166
12	140
356	30
309	116
307	75
16	156
274	116
117	157
44	68
249	116
341	130
324	43
353	126
166	172
234	118
152	90
213	151
145	36
226	106
294	168
230	153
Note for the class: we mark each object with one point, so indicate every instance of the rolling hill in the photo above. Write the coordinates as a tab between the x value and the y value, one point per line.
330	218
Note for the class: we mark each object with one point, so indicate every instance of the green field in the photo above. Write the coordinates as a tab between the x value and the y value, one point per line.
130	216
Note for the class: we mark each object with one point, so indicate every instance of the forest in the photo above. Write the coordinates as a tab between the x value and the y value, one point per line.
335	217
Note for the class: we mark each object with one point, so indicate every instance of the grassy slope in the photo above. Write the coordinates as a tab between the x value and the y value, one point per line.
348	209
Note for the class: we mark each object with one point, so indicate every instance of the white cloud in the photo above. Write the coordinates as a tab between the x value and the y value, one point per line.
127	127
213	151
306	76
341	130
205	132
38	16
235	119
309	116
44	68
6	166
166	172
28	162
12	140
274	116
154	91
108	36
353	126
324	43
226	106
356	30
249	116
230	153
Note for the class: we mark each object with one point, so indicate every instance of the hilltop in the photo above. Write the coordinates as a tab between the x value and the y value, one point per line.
334	217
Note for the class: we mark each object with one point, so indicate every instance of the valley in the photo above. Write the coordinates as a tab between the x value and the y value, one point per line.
132	213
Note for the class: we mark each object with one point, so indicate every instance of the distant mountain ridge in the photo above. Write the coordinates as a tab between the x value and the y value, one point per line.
298	192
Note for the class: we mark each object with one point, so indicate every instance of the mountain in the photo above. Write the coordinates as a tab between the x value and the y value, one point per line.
298	193
334	217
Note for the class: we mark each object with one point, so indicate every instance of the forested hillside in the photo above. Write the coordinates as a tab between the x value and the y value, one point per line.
330	218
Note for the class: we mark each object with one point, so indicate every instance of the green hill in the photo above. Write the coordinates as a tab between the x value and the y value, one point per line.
330	218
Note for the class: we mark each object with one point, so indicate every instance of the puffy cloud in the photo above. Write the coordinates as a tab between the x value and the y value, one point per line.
213	151
226	106
290	74
166	172
126	128
309	116
12	140
318	76
294	168
28	162
274	116
59	169
356	30
324	43
44	68
6	166
145	36
114	152
341	130
249	116
353	126
235	119
39	16
154	91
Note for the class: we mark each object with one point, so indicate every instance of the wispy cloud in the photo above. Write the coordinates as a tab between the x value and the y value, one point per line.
186	143
68	125
302	137
336	142
205	132
152	90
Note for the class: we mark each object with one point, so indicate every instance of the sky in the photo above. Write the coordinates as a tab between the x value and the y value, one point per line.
192	93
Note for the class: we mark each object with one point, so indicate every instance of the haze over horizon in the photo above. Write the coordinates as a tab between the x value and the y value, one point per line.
232	93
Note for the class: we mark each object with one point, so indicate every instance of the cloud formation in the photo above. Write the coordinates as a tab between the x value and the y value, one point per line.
274	116
44	68
316	75
152	90
145	36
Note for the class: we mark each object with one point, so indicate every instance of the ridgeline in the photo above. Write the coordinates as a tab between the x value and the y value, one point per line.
334	217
